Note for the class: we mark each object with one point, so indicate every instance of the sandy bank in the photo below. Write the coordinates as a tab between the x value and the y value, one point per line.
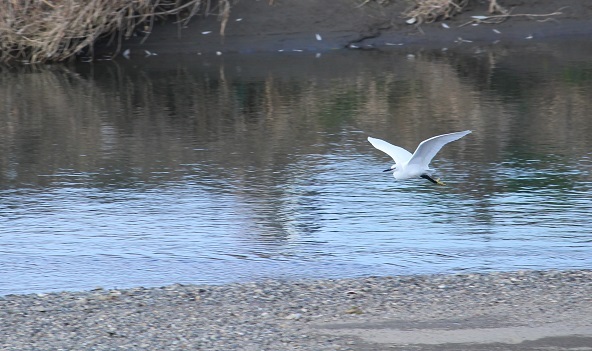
501	311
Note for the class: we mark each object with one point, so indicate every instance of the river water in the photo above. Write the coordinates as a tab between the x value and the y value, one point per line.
234	168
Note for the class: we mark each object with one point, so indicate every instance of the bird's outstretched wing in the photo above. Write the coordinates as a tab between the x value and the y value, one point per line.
428	148
398	154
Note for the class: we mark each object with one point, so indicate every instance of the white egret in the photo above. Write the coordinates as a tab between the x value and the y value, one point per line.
415	165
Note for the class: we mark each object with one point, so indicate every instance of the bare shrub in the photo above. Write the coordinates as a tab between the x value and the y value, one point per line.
55	30
426	11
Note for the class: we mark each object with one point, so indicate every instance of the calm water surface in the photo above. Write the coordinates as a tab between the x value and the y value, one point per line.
224	169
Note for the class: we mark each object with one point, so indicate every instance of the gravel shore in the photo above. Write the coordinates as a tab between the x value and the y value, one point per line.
374	313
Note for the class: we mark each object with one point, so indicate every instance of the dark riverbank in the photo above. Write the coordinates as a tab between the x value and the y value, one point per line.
37	32
528	310
307	25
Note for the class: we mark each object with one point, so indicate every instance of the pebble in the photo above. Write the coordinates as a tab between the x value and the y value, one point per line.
294	316
275	314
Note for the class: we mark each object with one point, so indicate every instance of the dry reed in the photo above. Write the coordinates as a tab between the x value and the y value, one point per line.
427	11
56	30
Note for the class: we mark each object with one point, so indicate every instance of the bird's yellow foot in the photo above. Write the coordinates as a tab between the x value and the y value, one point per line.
439	182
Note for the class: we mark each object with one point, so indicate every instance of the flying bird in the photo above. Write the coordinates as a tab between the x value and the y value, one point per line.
416	165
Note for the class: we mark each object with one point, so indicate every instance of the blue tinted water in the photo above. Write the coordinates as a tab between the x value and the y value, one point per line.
222	170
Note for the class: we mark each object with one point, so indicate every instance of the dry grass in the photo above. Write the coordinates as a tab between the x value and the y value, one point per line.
426	11
55	30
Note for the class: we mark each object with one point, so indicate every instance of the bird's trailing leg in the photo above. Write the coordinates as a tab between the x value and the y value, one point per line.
435	181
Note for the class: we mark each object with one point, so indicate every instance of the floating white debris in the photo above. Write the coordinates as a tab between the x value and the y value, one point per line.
318	55
445	25
352	46
410	57
126	53
297	50
411	20
218	53
461	40
206	32
474	24
496	31
480	17
281	50
444	49
148	53
393	44
529	37
318	36
238	19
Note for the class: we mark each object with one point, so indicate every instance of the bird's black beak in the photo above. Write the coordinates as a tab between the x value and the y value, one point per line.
388	170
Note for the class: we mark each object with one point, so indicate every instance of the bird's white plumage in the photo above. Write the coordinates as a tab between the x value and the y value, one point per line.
398	154
414	165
